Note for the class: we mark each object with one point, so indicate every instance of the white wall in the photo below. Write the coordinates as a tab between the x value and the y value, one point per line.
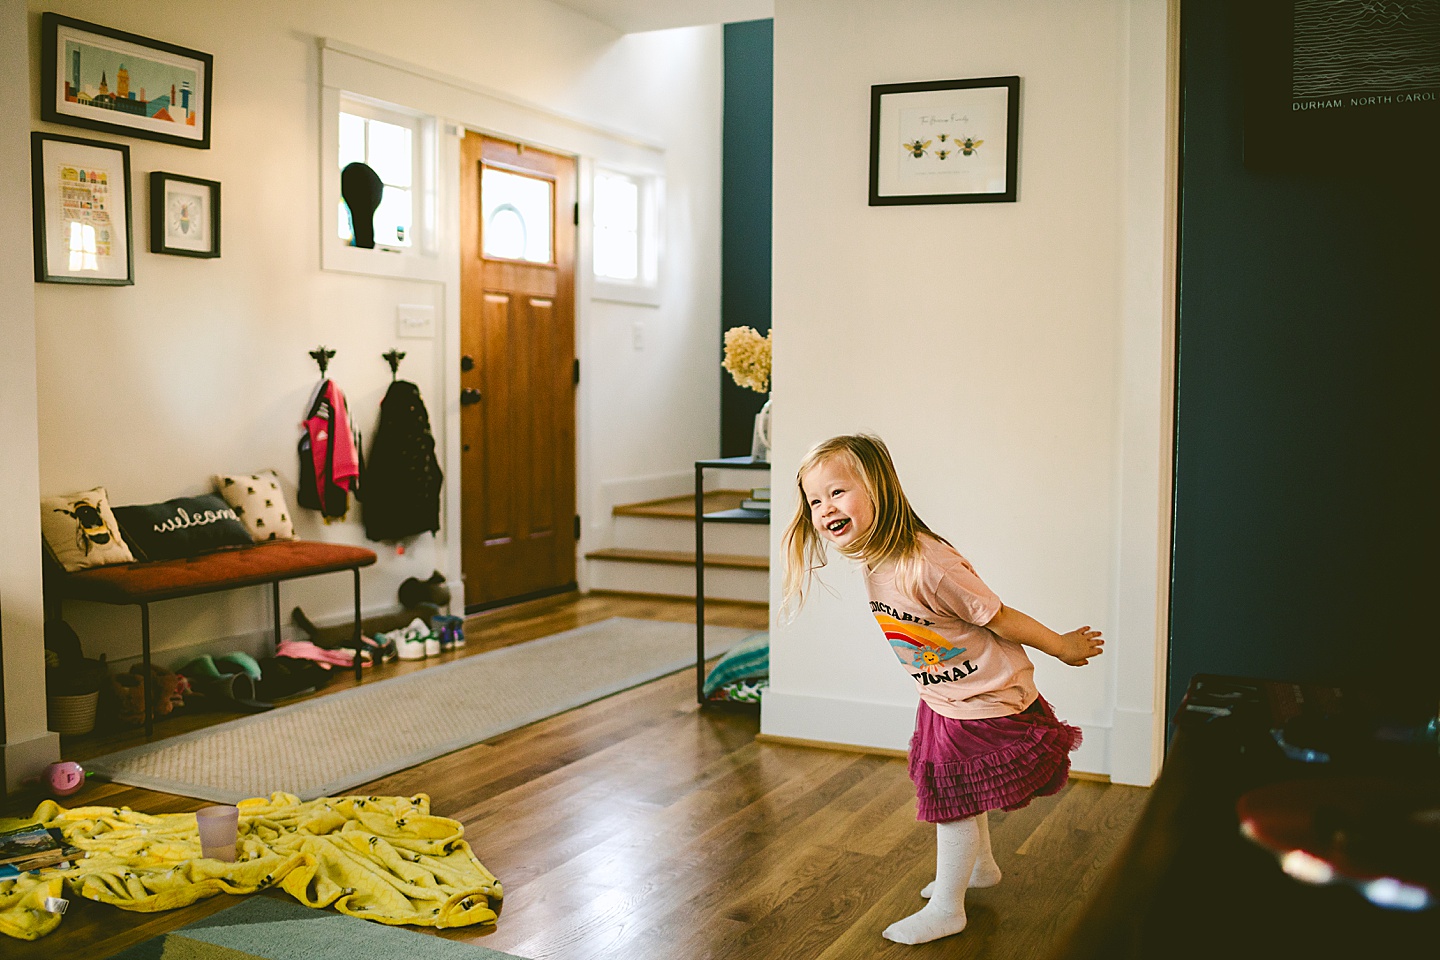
984	342
202	366
27	745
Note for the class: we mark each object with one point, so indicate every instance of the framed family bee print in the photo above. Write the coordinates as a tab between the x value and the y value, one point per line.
184	215
944	141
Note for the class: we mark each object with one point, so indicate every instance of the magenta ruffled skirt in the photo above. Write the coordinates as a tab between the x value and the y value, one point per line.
962	768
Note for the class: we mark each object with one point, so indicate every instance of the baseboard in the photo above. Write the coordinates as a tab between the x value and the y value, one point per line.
827	745
884	728
1136	755
25	760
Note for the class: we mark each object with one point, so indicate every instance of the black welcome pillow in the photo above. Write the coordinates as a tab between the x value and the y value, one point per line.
183	527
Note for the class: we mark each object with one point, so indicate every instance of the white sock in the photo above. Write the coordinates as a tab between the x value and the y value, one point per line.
987	871
957	844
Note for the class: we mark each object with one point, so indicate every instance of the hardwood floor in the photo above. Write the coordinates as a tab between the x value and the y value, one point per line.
643	827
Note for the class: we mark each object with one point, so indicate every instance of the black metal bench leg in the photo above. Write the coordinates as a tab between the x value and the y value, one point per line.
358	643
275	596
148	683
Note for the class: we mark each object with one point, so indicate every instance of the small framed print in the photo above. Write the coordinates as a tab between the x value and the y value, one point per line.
81	200
184	215
105	79
944	141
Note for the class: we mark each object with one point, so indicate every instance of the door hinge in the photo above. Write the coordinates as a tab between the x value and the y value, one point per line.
577	370
577	214
577	526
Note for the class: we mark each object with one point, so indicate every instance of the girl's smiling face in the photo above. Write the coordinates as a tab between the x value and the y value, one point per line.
840	508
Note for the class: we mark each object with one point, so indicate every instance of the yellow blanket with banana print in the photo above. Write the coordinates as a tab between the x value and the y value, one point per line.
378	858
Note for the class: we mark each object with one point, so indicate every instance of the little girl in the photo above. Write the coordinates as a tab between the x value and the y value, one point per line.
984	737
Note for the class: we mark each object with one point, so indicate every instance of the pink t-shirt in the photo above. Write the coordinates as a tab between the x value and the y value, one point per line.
963	670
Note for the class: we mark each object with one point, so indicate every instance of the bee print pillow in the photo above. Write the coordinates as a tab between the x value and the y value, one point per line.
80	531
259	502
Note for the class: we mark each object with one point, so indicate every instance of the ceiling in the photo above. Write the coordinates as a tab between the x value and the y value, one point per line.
635	16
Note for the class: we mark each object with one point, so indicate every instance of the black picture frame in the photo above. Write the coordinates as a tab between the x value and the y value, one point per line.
184	215
73	50
926	136
81	214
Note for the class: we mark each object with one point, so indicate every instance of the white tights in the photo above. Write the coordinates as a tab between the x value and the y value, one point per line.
987	871
962	857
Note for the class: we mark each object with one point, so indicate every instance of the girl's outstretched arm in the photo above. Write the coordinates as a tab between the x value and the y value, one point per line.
1075	648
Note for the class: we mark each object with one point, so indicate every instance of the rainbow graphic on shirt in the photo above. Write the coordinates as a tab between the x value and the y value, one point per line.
915	645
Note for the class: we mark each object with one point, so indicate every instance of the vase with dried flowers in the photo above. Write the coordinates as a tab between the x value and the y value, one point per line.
747	358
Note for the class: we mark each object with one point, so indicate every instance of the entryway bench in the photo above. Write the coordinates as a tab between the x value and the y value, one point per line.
146	582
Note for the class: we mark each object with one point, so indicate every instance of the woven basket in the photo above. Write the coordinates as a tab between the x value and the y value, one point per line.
72	715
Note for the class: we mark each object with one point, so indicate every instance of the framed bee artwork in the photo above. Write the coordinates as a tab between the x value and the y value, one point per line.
184	215
944	141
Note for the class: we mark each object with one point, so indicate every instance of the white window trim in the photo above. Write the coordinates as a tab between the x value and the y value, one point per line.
420	260
644	290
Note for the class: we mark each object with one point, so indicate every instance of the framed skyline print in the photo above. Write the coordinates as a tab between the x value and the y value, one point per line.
81	199
184	215
944	141
104	79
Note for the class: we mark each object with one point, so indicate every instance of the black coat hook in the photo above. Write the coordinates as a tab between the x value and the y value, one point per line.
322	355
393	357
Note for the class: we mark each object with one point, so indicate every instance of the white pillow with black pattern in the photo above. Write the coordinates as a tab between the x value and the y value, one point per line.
257	499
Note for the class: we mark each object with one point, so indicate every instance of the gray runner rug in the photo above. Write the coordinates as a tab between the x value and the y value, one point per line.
328	744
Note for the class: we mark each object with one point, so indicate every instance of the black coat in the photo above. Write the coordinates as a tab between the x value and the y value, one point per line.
402	475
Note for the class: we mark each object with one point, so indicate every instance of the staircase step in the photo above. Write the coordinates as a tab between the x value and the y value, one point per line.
679	558
682	507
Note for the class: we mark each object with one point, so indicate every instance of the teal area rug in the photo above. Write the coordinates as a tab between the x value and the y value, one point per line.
264	928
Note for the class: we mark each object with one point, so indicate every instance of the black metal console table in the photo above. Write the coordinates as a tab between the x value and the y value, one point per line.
719	516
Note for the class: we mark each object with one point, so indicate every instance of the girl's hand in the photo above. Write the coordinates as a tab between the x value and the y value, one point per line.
1078	646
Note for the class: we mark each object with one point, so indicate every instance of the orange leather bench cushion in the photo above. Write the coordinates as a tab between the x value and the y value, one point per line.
244	566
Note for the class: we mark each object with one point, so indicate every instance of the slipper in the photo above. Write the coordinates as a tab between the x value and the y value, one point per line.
288	677
305	650
238	662
234	689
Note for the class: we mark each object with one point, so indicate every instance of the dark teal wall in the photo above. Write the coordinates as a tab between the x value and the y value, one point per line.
745	212
1306	404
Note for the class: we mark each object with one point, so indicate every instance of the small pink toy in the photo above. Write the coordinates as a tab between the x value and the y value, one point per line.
63	778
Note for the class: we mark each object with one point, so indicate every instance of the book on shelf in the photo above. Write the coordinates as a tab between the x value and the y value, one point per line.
760	493
751	503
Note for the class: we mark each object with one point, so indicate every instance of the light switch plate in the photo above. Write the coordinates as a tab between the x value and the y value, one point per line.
415	320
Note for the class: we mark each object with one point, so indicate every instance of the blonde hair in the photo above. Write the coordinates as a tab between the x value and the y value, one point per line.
894	537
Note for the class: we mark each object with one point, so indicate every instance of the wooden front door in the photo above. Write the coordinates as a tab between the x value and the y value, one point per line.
517	340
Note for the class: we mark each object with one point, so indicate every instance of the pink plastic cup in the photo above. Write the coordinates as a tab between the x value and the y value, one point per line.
218	828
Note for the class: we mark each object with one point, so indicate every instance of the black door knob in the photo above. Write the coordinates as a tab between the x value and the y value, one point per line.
469	396
467	363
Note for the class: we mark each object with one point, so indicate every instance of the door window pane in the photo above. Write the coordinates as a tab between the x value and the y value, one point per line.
518	215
